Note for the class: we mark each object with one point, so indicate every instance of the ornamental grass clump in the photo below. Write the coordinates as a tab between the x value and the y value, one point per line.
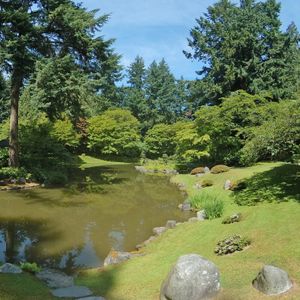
211	203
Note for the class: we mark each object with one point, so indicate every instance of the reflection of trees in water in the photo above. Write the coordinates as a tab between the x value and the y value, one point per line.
22	241
14	235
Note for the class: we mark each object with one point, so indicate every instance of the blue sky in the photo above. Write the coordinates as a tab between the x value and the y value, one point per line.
155	29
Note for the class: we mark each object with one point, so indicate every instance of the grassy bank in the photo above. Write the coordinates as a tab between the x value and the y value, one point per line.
273	229
23	286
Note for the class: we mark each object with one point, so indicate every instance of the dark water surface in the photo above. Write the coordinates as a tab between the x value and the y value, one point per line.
75	227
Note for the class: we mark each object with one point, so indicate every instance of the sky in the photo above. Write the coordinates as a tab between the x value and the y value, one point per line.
156	29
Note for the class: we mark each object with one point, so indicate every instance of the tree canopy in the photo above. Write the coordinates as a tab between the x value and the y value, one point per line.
243	48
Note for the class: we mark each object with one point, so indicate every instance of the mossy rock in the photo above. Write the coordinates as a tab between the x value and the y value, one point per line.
219	169
238	185
199	170
206	183
232	219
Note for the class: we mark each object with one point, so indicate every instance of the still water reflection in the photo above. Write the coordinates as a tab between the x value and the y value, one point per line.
75	227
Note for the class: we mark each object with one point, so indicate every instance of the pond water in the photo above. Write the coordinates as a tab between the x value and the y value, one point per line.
75	227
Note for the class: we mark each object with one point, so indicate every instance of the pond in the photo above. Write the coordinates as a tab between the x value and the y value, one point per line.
75	227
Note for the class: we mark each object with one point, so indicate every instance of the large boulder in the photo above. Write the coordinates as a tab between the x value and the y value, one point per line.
272	281
192	278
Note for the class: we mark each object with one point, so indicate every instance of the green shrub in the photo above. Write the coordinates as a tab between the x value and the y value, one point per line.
30	267
198	170
206	183
160	140
115	133
3	157
41	153
219	169
65	133
232	244
212	204
12	173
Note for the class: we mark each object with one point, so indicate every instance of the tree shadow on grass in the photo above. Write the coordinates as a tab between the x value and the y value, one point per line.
276	185
102	281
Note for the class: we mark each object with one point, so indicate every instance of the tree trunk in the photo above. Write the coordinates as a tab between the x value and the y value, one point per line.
16	84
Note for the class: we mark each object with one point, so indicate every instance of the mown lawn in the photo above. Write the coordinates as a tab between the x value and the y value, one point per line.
272	227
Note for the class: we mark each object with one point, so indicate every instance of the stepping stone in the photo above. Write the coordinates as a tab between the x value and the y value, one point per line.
10	268
92	298
55	278
72	292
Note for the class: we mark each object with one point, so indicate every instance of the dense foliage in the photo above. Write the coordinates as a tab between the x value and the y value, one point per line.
115	133
243	48
244	107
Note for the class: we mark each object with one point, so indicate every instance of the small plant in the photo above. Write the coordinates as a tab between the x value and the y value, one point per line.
199	170
206	183
232	219
210	202
232	244
30	267
219	169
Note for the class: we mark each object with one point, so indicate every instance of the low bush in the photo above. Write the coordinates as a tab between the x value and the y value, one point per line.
206	183
231	244
210	202
12	173
219	169
30	267
198	170
3	157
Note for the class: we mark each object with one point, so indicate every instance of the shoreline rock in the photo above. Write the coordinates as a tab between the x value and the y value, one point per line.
144	170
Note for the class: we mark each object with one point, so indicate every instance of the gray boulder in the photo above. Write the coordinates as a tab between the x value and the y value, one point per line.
206	170
55	278
10	268
72	292
201	215
192	278
227	185
171	224
193	220
186	206
159	230
272	281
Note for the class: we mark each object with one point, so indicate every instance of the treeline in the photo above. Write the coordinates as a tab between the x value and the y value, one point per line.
60	83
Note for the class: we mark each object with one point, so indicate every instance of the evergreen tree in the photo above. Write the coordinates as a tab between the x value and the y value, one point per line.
161	93
242	47
137	73
4	96
32	29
